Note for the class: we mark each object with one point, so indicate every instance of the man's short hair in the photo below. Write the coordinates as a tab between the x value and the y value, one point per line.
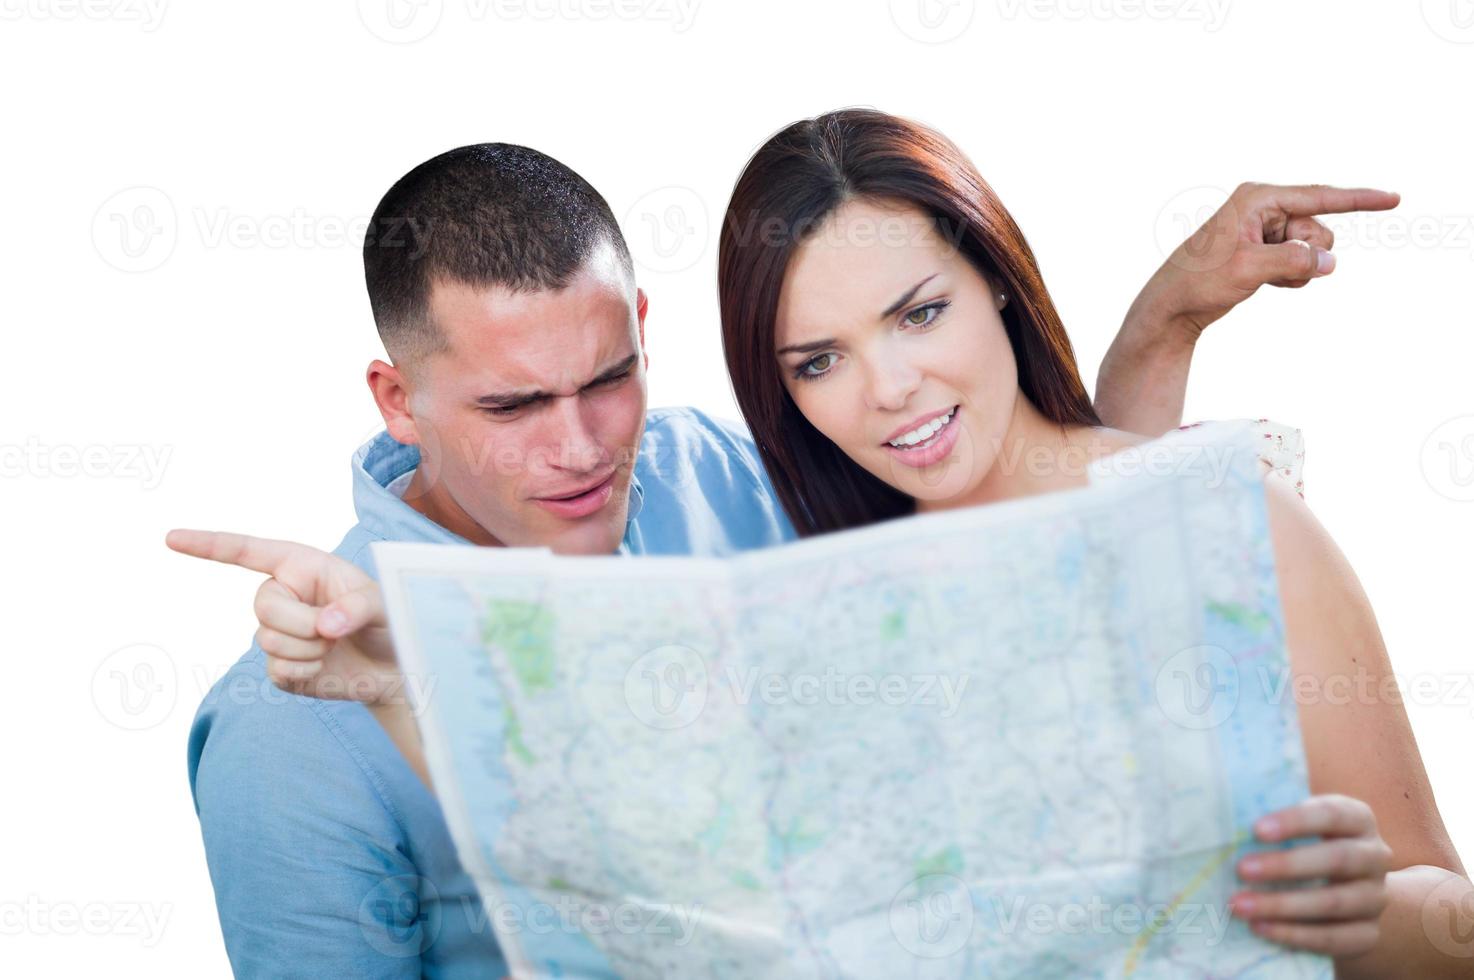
491	214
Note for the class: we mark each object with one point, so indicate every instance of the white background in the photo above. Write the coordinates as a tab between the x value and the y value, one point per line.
244	145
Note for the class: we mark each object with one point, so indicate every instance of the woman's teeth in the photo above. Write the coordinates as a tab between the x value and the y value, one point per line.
923	433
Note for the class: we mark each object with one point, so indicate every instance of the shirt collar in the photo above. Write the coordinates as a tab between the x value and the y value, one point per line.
379	461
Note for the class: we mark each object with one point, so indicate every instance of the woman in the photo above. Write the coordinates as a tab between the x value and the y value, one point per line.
893	350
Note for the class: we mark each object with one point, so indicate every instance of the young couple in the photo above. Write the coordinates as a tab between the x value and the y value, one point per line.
893	350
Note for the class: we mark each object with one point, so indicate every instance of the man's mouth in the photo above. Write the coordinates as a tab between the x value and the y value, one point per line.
579	502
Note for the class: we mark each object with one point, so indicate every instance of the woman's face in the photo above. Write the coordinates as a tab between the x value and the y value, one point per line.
892	345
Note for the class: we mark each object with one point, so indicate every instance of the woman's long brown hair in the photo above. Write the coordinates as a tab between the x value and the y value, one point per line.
791	184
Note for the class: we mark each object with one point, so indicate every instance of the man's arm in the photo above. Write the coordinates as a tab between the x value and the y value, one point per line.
310	872
1263	235
323	628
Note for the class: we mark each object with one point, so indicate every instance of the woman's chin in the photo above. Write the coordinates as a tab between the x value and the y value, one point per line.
948	494
949	479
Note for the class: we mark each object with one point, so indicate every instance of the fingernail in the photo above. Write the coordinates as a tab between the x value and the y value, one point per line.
1267	827
1244	904
334	622
1250	866
1324	262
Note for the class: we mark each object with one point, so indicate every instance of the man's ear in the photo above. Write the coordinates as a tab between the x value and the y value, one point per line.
642	303
391	393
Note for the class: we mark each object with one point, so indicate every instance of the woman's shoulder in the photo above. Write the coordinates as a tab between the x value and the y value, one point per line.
1280	448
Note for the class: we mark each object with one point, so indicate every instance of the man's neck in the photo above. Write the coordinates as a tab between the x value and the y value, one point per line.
431	499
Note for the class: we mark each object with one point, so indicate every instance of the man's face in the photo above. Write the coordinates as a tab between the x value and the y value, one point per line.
530	419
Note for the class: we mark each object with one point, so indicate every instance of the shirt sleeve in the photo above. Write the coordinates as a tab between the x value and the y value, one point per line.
737	441
1282	447
307	860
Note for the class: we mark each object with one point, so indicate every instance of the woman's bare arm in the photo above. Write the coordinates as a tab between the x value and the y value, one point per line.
1359	745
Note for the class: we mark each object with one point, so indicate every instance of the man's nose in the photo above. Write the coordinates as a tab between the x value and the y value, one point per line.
574	436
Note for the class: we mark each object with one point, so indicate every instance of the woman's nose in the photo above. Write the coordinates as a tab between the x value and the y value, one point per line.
890	383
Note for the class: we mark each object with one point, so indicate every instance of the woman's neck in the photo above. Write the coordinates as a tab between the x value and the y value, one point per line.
1037	456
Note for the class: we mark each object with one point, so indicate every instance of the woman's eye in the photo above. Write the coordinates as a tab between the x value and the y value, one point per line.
816	366
923	316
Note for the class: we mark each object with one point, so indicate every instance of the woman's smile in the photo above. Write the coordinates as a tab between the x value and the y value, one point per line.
928	443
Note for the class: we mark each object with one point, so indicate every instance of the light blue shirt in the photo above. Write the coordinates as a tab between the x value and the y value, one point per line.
328	855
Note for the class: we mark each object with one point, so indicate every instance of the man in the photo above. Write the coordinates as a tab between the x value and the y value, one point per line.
514	403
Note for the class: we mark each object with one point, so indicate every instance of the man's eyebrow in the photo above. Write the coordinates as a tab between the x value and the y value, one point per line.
906	297
510	399
615	371
525	396
895	307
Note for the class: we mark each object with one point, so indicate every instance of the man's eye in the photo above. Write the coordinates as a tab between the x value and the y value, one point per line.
502	411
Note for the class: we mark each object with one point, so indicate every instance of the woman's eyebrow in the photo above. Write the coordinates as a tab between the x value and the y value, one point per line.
895	307
812	345
906	298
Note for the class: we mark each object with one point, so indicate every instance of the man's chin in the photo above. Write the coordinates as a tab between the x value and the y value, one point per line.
597	534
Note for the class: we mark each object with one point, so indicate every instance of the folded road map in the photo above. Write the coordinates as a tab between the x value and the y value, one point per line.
1021	740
